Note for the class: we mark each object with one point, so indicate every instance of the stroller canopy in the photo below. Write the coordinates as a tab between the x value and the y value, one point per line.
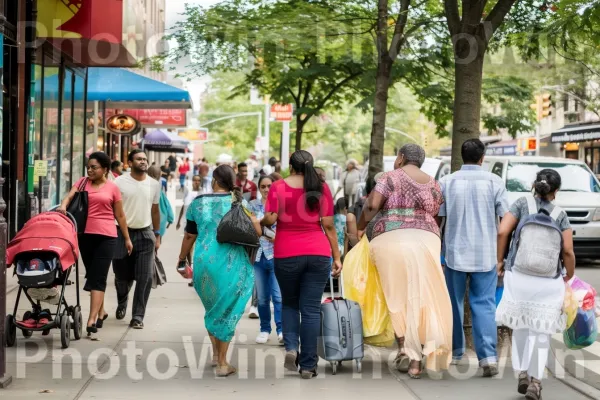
50	231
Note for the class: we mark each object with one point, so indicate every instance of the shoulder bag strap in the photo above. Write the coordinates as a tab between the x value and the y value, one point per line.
82	185
531	204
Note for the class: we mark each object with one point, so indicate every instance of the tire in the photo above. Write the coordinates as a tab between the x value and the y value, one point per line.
10	331
77	323
65	330
334	368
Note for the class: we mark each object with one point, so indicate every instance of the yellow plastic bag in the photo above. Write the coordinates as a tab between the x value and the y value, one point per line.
362	284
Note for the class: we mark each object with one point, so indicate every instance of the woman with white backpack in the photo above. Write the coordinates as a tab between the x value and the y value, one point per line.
540	260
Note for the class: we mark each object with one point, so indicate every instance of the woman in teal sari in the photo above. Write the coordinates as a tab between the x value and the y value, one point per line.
223	273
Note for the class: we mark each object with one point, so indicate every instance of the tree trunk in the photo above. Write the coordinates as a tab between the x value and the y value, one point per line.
299	128
382	85
467	106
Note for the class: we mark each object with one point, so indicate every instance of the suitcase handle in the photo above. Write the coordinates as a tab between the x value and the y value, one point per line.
341	284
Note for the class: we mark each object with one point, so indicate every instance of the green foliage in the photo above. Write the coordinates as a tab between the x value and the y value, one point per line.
514	95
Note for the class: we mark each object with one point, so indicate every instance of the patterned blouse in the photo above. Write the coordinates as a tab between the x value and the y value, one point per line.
266	247
408	205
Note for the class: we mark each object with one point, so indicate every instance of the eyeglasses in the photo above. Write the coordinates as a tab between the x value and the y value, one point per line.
93	167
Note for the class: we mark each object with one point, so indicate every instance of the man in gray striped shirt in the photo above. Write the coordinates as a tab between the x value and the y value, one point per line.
474	200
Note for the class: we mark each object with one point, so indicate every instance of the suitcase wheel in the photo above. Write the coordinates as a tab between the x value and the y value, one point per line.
359	366
334	367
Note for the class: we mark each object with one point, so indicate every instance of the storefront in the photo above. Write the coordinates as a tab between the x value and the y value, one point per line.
581	142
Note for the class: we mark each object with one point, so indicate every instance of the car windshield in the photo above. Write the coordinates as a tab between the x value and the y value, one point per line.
575	177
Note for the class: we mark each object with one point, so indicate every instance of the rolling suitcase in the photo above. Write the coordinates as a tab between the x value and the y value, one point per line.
341	336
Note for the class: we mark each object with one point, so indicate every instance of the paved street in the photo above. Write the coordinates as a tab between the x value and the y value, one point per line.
171	358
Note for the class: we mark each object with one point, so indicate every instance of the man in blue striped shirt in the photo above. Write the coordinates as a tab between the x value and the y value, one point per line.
474	200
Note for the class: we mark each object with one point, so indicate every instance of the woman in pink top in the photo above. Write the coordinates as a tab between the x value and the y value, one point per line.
98	241
302	207
405	247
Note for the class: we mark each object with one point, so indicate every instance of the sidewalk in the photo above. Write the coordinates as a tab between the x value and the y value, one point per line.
170	358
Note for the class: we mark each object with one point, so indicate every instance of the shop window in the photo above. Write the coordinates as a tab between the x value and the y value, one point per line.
50	136
66	135
79	128
37	136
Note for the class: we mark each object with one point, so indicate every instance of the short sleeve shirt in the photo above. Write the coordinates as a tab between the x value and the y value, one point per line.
299	229
138	198
408	204
101	212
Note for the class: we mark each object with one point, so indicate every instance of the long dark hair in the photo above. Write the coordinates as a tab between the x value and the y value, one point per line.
225	178
547	182
302	162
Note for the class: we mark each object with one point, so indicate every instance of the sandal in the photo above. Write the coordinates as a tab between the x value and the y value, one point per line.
226	370
415	373
402	362
534	391
523	383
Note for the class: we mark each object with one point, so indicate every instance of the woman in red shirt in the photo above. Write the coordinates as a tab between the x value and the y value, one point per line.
97	243
183	170
302	207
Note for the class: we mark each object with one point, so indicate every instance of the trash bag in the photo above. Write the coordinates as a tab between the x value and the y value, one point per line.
580	308
362	284
236	227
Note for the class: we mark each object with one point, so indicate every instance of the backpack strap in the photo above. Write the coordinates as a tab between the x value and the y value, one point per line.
532	205
556	213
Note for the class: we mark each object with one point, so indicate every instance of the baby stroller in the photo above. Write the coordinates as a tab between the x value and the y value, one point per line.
44	253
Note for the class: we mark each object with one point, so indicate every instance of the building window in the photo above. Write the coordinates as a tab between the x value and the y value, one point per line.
50	136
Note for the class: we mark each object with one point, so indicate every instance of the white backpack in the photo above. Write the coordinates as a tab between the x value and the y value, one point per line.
538	241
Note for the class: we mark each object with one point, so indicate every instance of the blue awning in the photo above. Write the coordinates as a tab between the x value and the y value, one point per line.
121	88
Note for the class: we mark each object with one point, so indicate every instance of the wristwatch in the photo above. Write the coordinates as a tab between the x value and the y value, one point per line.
156	233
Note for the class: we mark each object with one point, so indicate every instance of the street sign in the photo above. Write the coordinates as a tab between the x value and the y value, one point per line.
40	168
282	112
195	135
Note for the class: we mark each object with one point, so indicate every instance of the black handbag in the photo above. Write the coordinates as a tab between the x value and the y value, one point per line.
236	228
78	207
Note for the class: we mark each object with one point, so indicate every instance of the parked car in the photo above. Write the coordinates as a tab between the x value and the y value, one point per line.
579	195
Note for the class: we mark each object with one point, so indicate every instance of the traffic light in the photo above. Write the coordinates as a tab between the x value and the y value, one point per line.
546	105
537	107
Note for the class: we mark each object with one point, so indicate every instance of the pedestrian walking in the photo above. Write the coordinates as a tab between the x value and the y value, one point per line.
165	175
350	179
97	243
167	216
405	247
302	207
532	306
184	168
339	218
116	168
265	283
249	189
141	198
474	200
223	273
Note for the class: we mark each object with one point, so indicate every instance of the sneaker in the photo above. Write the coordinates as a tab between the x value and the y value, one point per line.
309	374
523	383
280	339
490	370
253	314
455	361
291	361
135	324
262	338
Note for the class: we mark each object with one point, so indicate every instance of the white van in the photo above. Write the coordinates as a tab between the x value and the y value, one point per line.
579	195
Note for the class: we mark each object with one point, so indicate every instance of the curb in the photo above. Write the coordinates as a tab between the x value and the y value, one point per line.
569	380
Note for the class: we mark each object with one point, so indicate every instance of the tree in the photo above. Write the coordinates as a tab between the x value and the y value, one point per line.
471	35
295	51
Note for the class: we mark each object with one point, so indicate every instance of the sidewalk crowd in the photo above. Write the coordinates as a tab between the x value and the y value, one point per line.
411	221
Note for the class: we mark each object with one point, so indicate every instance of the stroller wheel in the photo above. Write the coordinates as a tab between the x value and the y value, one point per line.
77	323
10	331
65	330
45	332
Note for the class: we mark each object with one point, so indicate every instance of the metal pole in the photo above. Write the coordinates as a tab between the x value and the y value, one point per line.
95	147
267	133
285	146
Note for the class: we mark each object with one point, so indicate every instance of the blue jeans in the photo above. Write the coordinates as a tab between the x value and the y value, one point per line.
302	281
182	180
482	299
267	290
